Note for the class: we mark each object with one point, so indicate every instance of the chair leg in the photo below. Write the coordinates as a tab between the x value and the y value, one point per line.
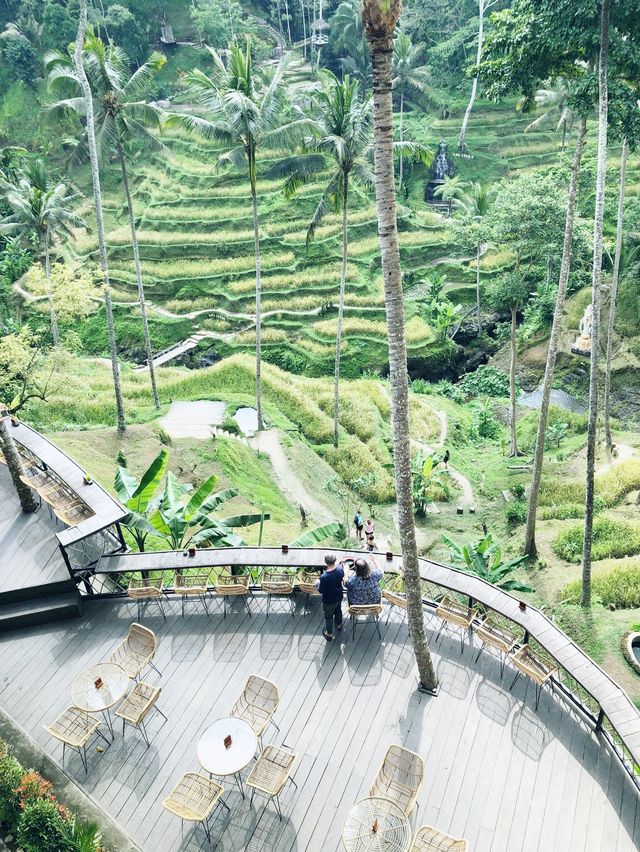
160	712
224	598
538	694
514	680
268	604
378	627
388	615
83	758
251	799
353	627
182	596
278	807
123	727
155	668
164	617
246	603
479	652
64	746
144	734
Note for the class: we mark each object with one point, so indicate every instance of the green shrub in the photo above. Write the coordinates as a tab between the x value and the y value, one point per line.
619	587
612	539
42	828
230	425
516	512
485	381
11	773
612	485
566	511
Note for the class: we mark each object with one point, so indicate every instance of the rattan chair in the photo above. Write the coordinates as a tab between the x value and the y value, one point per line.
455	616
137	651
271	772
145	591
192	585
528	663
137	706
194	798
429	839
74	728
490	632
394	596
307	585
399	778
370	612
233	586
257	704
278	585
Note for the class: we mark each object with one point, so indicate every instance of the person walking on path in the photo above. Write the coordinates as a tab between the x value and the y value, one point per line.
358	522
330	587
369	530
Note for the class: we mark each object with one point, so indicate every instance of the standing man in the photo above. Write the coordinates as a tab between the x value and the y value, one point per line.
330	587
358	522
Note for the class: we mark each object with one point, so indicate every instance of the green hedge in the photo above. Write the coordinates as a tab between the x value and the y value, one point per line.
611	539
619	587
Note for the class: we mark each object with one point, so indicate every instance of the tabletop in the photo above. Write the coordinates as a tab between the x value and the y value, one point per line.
376	824
215	757
91	698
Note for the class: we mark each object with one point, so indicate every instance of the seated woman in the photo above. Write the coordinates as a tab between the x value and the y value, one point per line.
363	587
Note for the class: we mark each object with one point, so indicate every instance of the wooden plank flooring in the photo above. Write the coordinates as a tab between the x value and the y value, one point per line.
498	773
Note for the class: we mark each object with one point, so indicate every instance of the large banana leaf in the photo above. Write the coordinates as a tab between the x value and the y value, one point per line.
218	536
200	495
319	534
125	484
243	520
217	499
151	478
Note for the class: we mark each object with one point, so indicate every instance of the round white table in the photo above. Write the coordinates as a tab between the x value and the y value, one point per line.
376	824
100	699
217	759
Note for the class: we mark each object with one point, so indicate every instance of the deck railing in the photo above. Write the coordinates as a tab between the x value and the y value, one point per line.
579	680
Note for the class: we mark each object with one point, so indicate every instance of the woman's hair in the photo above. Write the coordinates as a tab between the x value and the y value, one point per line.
362	568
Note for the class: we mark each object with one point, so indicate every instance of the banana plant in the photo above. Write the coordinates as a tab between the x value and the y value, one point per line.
138	497
187	520
484	559
335	529
426	475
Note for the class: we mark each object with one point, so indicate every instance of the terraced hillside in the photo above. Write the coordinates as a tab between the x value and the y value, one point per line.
196	243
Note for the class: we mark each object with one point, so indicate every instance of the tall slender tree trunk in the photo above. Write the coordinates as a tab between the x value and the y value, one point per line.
304	30
138	268
286	10
614	296
380	20
28	502
513	448
55	331
401	135
343	279
585	599
256	244
474	85
479	321
565	266
97	200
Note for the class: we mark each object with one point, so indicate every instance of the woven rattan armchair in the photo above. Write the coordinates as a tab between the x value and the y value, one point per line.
145	591
394	596
528	663
194	798
192	585
137	651
137	706
74	728
257	704
369	612
278	585
307	585
496	635
72	512
455	616
271	772
429	839
230	585
399	778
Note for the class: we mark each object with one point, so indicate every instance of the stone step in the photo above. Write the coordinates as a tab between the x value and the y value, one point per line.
40	610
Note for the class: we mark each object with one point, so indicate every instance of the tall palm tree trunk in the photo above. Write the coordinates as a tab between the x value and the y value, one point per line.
304	30
55	331
97	200
343	279
256	245
565	266
474	85
288	17
614	296
585	599
28	502
138	268
380	21
401	135
478	320
513	447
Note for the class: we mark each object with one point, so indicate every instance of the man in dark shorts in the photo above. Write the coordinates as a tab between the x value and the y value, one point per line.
330	587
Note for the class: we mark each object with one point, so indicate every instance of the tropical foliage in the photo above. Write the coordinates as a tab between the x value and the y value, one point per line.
484	558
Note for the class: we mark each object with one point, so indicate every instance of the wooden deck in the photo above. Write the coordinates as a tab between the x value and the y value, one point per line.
498	773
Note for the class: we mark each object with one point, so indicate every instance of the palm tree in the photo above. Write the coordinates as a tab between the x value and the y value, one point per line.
342	136
380	18
614	293
97	200
121	113
552	351
554	100
483	5
42	209
408	75
348	39
475	201
247	110
585	598
28	502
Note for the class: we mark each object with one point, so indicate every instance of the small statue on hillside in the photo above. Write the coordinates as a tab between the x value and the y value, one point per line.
582	346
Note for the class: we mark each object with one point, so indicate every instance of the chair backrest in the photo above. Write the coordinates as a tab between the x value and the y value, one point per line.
261	693
145	587
403	767
226	579
142	640
189	580
307	583
278	581
365	609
